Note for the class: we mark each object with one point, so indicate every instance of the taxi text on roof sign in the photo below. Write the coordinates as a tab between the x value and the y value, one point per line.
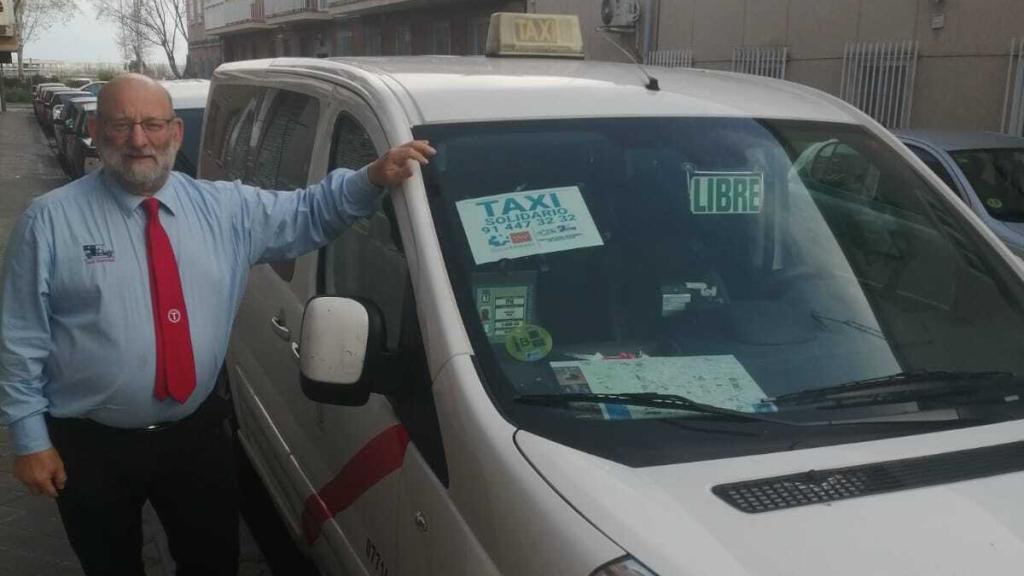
514	34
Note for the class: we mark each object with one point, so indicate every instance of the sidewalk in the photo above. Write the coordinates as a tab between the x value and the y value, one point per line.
32	540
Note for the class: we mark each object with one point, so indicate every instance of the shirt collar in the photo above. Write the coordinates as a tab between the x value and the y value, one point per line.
167	195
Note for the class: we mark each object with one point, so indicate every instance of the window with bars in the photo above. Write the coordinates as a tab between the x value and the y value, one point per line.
372	41
477	35
1012	121
403	40
761	60
441	38
670	58
878	78
345	43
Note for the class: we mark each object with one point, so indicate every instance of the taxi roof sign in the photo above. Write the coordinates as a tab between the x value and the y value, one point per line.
553	35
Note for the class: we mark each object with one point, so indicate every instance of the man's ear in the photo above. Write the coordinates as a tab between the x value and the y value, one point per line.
93	128
177	131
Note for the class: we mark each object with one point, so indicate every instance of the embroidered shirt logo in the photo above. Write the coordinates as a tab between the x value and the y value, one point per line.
97	253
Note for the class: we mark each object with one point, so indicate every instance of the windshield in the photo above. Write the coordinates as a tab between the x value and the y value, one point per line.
997	177
723	261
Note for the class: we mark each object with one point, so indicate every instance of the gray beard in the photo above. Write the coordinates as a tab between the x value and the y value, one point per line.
135	180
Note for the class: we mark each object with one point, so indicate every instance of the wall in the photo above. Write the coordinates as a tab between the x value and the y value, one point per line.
961	70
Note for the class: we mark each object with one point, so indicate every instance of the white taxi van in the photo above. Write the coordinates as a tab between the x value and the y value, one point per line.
625	322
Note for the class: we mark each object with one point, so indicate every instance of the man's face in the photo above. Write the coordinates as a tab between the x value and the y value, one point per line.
137	137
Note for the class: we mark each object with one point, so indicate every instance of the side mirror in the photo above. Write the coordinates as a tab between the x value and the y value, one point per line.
342	347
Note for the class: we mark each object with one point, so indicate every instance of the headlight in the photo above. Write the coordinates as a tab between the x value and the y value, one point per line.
625	566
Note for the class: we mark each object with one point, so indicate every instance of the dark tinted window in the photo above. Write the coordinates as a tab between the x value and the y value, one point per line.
229	131
936	166
188	155
286	141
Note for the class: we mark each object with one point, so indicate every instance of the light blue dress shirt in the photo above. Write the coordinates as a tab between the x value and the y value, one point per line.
76	321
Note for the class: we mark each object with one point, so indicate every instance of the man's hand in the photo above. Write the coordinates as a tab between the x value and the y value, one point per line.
42	472
394	166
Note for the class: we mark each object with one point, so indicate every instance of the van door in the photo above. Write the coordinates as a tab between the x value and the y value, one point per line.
360	448
268	141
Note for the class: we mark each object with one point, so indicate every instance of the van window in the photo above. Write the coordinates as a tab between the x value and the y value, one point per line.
286	140
368	261
229	123
937	167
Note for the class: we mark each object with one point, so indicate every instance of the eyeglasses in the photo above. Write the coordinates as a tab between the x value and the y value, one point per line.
150	125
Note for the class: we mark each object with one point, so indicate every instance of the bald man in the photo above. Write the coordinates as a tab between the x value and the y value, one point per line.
119	293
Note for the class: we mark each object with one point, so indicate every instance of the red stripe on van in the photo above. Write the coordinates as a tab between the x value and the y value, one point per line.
381	456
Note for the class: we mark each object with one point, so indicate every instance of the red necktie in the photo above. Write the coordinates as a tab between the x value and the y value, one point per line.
175	366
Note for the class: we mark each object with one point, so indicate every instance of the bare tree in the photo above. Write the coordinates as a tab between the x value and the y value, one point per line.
143	23
34	17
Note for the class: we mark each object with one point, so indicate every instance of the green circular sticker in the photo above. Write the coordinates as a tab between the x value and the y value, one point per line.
994	203
528	343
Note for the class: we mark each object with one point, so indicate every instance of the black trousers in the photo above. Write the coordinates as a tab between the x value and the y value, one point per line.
186	471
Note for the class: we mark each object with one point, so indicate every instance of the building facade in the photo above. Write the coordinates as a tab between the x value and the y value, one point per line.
934	64
937	64
246	29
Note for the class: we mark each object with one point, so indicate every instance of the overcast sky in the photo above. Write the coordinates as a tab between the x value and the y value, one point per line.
85	39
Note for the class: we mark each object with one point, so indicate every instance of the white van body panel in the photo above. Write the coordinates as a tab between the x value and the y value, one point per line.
668	516
506	504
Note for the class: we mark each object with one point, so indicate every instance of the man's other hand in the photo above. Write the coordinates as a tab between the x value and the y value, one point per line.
394	166
42	472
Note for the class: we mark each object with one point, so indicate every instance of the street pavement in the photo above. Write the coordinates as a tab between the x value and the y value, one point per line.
32	540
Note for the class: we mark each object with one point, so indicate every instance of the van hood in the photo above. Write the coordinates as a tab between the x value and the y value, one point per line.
668	518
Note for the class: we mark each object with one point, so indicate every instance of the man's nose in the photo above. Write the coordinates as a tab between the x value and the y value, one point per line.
137	136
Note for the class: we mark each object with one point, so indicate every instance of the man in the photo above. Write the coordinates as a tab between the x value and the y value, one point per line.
119	293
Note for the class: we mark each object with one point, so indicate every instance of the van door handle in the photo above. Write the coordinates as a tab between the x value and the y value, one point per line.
282	331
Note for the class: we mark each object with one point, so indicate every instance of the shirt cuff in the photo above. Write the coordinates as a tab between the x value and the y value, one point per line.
361	194
30	435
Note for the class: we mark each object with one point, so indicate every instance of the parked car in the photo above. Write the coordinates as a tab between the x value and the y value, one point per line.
81	154
79	82
189	100
38	99
37	87
65	132
59	102
618	325
49	101
985	169
93	87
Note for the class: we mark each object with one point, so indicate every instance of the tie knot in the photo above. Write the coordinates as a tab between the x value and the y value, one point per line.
152	206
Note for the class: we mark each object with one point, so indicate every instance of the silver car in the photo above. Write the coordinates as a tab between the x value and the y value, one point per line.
985	169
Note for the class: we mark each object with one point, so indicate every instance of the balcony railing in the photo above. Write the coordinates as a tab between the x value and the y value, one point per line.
283	7
220	14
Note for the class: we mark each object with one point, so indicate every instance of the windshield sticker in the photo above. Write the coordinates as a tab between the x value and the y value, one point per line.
726	193
502	308
528	343
525	223
717	380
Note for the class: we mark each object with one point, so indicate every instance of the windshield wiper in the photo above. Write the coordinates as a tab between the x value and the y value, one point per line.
649	400
916	384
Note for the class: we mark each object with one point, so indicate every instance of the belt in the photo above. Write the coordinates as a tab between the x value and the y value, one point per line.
212	411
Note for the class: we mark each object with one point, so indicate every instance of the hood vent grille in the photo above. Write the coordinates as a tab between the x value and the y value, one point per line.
820	486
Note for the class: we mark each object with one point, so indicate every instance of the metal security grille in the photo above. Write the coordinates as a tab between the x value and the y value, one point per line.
1013	100
670	58
760	61
878	78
